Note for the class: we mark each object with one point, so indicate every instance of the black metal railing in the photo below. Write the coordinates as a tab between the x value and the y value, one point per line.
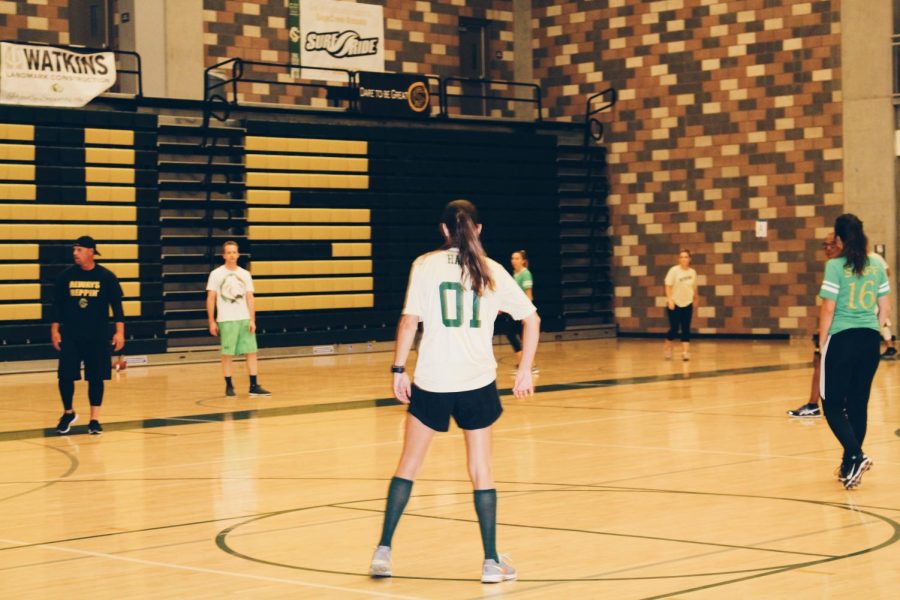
593	128
217	89
486	86
118	54
596	186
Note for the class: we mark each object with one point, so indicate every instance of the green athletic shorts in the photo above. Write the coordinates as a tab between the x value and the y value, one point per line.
236	338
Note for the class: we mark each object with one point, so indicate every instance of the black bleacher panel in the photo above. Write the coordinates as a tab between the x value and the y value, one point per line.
98	171
412	173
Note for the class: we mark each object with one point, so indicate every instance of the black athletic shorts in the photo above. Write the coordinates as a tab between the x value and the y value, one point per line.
95	353
472	409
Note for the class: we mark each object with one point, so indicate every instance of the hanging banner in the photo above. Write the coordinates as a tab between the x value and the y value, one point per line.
50	76
393	95
340	35
294	36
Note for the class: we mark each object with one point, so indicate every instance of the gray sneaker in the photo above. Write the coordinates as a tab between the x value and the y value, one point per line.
494	572
381	562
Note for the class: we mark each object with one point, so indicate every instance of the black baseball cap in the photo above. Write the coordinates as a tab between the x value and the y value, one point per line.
87	241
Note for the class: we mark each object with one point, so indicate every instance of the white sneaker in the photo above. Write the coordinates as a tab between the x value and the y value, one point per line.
667	353
685	356
494	572
381	562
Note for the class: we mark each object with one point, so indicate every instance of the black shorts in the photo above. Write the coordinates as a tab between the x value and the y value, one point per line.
472	409
95	353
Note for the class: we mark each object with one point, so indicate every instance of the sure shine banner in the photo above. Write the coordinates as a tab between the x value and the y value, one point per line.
49	76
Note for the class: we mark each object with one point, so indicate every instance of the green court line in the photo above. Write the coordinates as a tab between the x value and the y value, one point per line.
305	409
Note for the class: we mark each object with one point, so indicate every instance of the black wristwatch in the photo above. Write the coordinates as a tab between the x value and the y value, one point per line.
396	369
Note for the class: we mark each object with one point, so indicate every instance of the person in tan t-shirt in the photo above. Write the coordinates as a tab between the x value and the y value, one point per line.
681	293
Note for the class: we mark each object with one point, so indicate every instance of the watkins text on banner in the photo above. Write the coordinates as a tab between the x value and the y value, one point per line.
50	76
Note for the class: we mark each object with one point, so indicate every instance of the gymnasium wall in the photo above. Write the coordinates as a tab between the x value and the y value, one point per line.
420	37
46	22
730	111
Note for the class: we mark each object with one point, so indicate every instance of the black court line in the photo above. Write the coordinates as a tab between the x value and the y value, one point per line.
305	409
742	574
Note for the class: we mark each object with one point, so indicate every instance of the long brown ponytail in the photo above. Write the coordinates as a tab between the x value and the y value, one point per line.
461	219
849	228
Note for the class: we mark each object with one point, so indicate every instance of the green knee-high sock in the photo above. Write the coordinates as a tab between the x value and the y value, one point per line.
486	509
398	495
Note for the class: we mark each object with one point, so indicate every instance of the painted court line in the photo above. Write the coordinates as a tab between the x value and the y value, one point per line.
153	563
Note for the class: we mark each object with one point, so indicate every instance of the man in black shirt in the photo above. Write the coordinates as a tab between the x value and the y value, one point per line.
82	297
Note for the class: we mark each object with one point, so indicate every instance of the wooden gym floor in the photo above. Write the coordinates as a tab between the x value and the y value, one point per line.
625	476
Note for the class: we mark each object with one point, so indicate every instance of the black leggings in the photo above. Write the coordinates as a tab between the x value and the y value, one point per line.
849	361
513	329
680	316
67	392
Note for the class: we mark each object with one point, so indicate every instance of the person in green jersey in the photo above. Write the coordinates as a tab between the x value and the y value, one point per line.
811	409
853	286
525	281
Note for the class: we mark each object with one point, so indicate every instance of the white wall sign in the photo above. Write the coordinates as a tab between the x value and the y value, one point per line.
340	35
50	76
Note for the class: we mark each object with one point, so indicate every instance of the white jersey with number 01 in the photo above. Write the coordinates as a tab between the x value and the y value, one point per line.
456	353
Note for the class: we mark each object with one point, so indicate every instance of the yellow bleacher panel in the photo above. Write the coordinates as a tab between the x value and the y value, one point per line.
256	161
304	145
110	137
20	272
67	232
20	251
119	251
20	312
123	270
20	291
310	232
116	156
312	267
308	215
18	191
97	193
325	302
306	180
17	172
17	152
108	175
339	249
131	308
131	289
56	212
313	285
268	197
255	142
16	132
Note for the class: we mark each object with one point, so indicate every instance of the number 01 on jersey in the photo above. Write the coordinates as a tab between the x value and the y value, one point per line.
452	296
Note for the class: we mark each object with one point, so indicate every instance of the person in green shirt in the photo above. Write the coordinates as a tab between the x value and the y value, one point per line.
854	284
522	275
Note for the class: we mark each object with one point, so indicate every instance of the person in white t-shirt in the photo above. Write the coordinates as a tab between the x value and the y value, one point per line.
681	293
456	292
232	316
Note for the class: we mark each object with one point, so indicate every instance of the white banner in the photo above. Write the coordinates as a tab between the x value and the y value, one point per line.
50	76
340	35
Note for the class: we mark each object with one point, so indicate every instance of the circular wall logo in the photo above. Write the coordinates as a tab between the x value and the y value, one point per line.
418	96
83	302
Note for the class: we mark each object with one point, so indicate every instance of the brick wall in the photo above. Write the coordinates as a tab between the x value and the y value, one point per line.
421	37
729	112
44	21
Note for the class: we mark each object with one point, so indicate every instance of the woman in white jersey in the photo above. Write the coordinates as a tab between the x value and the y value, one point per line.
456	292
854	285
681	293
